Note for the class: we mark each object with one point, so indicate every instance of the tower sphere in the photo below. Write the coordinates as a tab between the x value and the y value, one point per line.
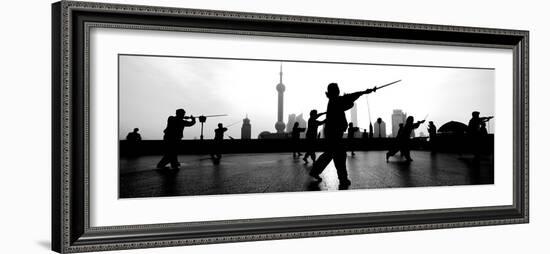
280	87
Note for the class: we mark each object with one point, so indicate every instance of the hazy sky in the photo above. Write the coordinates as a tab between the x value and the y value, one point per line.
152	88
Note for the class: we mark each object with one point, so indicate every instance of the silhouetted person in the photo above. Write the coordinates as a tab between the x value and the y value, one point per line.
219	132
218	137
399	130
351	135
474	125
296	130
335	126
311	134
172	135
403	139
397	145
475	134
134	136
365	134
133	140
432	130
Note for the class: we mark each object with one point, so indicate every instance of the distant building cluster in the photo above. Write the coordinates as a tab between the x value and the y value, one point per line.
293	118
398	117
282	130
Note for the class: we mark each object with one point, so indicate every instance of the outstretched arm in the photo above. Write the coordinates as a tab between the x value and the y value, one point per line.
350	98
485	119
417	124
189	123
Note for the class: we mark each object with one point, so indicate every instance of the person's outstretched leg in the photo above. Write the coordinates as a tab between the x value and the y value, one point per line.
172	155
166	157
390	153
305	157
320	165
407	154
163	162
406	151
174	163
341	169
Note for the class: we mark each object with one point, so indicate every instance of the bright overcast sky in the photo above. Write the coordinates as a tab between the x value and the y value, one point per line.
152	88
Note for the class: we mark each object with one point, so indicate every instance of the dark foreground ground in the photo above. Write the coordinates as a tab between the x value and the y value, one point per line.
279	172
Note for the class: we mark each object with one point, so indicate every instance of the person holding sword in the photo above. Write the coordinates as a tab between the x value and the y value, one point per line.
403	139
218	138
172	135
335	126
474	134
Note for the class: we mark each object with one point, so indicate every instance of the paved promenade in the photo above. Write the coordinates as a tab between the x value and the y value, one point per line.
279	172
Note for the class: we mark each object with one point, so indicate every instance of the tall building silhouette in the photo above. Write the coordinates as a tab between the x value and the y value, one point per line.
353	113
380	128
290	122
293	118
280	125
397	117
246	129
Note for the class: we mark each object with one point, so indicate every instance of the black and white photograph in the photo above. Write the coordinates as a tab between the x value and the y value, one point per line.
192	125
326	127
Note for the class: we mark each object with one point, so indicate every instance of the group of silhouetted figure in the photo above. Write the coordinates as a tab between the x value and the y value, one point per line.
335	125
174	133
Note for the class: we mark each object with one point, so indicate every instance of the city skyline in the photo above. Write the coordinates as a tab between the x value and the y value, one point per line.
205	86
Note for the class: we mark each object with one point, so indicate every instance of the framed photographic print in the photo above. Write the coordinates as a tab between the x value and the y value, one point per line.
182	126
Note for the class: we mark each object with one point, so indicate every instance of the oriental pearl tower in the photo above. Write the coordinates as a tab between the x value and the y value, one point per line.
280	125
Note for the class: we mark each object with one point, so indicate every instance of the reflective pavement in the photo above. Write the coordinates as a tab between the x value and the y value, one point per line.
280	172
